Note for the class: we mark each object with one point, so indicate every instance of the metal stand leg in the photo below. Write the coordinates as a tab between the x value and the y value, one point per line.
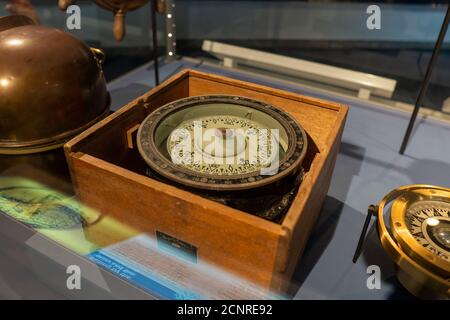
155	41
370	212
171	37
426	80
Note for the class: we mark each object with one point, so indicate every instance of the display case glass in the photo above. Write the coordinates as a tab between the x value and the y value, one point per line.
88	182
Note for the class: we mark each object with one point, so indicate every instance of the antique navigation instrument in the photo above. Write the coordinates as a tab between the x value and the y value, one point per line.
118	7
51	88
238	151
40	206
417	237
54	214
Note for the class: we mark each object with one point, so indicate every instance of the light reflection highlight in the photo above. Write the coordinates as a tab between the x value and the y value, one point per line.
4	82
14	42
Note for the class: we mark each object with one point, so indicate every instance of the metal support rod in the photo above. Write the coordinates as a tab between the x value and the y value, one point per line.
426	80
171	29
155	41
370	212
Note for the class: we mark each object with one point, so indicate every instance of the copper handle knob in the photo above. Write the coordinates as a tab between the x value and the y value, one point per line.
161	6
119	25
64	4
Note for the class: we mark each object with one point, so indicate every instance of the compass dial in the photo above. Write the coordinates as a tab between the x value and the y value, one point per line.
227	150
40	207
429	223
420	223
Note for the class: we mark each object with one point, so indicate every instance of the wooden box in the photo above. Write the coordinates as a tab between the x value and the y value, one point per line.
109	175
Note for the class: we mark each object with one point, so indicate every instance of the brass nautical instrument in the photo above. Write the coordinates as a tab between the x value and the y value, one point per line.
118	7
417	237
220	133
51	86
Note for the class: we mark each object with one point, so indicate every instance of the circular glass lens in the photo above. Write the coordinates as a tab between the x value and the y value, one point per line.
440	233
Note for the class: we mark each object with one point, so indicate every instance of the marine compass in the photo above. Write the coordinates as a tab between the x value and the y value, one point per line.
416	234
235	150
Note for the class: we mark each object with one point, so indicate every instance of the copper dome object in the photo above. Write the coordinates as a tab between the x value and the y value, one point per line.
51	86
118	7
